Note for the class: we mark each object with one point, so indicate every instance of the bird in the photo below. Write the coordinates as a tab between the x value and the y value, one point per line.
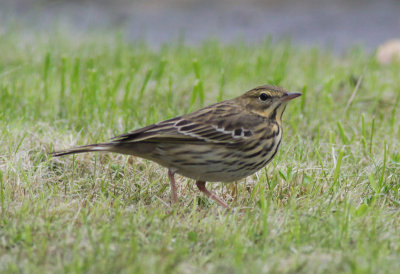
223	142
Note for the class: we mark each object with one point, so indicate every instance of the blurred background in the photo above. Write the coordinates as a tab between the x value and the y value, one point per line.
335	24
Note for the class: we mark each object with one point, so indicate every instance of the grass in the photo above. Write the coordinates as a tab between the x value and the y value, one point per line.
329	202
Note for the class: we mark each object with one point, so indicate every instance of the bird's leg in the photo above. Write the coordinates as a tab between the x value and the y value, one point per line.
202	187
171	175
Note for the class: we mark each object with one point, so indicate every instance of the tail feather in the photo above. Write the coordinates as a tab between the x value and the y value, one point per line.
82	149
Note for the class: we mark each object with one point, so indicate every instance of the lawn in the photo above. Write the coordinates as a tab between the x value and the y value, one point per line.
329	202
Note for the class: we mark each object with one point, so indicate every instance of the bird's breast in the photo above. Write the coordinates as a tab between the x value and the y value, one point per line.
221	163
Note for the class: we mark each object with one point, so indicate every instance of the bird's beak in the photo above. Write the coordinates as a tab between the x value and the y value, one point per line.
290	96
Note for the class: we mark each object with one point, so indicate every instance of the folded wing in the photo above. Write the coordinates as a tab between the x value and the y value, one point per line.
219	123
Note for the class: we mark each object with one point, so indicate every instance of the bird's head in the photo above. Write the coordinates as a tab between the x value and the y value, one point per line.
267	101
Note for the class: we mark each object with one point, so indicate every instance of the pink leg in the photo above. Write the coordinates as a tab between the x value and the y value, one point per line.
202	187
173	186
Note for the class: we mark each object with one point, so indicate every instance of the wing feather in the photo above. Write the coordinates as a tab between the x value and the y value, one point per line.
219	123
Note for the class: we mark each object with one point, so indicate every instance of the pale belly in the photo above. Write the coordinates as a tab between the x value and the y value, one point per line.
216	163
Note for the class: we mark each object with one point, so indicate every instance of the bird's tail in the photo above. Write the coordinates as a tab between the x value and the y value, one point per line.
82	149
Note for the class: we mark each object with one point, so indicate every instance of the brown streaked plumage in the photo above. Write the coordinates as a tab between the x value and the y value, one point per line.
223	142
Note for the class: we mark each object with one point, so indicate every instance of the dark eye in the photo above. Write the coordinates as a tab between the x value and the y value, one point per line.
264	96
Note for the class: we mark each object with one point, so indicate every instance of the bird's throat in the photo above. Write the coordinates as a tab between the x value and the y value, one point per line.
273	113
279	112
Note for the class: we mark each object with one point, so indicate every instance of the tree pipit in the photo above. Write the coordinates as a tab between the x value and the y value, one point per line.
223	142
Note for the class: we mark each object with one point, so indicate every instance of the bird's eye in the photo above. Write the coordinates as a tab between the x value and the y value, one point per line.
264	96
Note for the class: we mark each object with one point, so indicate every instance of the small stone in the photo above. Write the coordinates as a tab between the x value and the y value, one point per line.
389	52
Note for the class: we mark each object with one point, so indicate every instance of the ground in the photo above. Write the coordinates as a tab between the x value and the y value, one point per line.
329	202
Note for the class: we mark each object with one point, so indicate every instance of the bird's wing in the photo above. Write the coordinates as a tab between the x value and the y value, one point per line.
219	123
